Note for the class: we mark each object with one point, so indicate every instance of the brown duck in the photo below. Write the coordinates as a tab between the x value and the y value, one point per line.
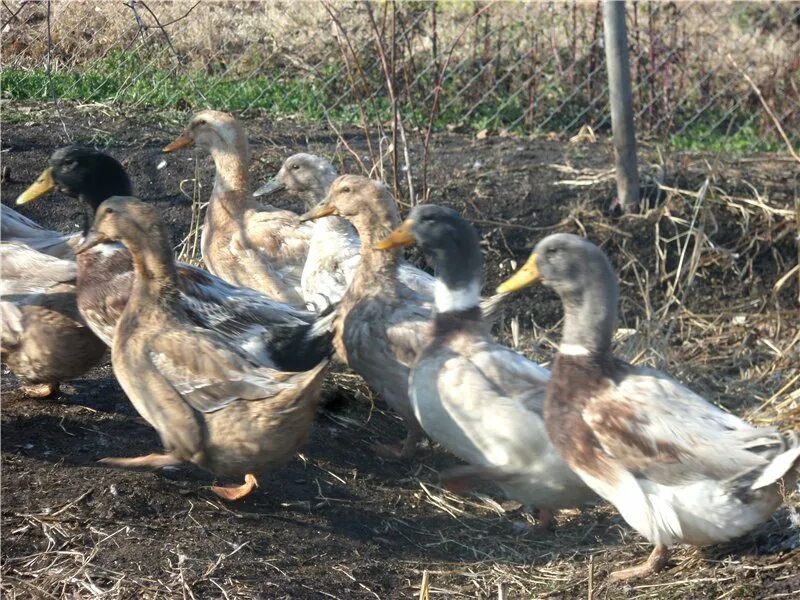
44	340
211	401
382	325
243	242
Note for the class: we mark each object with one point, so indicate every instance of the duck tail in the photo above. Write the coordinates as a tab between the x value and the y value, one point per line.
301	348
15	227
319	336
784	460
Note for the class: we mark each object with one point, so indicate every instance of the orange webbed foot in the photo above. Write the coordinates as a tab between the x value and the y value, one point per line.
236	492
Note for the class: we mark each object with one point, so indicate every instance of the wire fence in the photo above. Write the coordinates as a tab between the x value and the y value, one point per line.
417	66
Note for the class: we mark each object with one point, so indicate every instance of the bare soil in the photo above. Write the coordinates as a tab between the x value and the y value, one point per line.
339	522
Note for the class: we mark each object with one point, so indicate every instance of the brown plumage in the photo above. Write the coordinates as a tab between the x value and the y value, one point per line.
210	400
44	339
244	243
679	469
382	324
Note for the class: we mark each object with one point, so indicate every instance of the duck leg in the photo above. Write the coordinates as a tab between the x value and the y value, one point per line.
547	519
150	461
43	390
655	562
402	451
236	492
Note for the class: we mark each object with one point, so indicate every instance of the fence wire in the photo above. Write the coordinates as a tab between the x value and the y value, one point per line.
519	66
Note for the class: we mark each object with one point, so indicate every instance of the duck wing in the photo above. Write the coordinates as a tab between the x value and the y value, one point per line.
654	427
19	228
210	374
28	271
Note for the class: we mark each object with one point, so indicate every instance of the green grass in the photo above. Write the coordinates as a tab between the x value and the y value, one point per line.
129	79
731	138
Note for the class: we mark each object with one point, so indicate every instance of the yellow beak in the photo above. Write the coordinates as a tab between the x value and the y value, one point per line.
527	275
318	212
43	185
182	141
400	237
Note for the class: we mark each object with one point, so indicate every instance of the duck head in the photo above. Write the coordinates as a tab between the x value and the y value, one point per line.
305	175
212	130
583	277
366	203
451	243
128	220
83	173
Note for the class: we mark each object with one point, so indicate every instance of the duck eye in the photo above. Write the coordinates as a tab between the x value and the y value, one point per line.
552	252
295	166
199	122
345	189
109	210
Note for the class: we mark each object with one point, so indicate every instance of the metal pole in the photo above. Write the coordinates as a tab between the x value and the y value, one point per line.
619	91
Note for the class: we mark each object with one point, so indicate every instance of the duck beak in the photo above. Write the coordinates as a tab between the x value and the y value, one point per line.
93	239
272	186
182	141
322	210
43	185
527	275
399	238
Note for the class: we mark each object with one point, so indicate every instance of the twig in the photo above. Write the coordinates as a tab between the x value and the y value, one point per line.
397	122
362	112
50	72
344	141
424	587
766	106
13	16
186	14
437	91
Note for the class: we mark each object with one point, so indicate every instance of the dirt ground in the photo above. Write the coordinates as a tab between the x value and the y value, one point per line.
339	522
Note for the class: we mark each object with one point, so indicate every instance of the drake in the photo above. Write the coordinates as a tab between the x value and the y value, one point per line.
679	469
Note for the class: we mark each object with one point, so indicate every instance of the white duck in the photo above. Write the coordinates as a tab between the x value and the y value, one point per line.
334	249
480	400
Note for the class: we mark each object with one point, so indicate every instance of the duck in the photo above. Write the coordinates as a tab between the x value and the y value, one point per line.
678	469
478	399
211	402
44	340
105	272
263	248
381	324
16	227
334	249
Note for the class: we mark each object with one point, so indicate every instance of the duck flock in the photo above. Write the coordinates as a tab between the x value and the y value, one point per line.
227	363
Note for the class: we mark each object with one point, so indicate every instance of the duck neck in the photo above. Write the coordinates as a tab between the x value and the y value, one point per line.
337	226
590	318
376	266
459	268
231	182
155	275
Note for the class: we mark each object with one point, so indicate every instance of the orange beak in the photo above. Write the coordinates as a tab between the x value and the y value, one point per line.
182	141
399	238
320	211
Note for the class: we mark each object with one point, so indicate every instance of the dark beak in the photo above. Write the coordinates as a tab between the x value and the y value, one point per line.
93	239
272	186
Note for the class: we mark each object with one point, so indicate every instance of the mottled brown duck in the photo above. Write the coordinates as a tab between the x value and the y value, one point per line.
211	401
678	469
